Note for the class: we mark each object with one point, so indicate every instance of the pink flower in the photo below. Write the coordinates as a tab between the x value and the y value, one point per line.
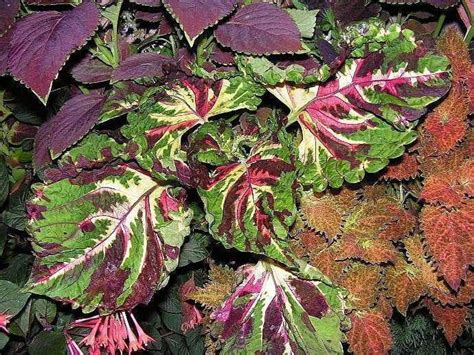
191	314
110	333
4	320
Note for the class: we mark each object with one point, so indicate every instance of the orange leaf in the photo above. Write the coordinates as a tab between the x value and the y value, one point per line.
450	239
406	168
451	319
363	283
403	222
453	46
464	295
404	283
370	334
325	212
369	249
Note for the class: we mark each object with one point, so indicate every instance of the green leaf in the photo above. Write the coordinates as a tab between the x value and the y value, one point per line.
305	20
12	299
194	249
4	181
109	240
50	343
44	310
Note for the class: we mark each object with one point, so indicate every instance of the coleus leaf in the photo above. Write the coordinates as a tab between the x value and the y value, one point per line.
43	41
451	319
273	311
141	65
4	48
107	239
151	3
449	236
91	71
250	203
405	168
347	123
370	334
8	10
75	118
53	2
260	28
436	3
194	16
305	20
158	127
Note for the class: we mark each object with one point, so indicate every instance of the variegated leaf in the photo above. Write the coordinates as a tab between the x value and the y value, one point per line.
250	203
158	127
362	118
106	240
274	312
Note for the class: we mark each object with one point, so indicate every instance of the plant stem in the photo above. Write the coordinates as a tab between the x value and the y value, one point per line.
469	35
439	25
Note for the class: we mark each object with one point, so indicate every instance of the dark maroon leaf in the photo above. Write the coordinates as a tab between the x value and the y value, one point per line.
194	16
260	28
50	2
8	11
436	3
223	57
348	11
140	66
91	71
148	16
75	118
151	3
165	27
43	41
4	46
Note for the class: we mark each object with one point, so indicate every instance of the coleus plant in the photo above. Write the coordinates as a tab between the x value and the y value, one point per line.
243	121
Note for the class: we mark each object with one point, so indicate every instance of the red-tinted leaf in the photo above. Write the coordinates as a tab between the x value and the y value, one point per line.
71	123
194	16
149	16
8	11
370	334
141	65
223	57
405	168
450	239
91	71
450	319
260	29
42	42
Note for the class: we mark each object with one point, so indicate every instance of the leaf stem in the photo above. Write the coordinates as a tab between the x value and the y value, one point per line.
439	25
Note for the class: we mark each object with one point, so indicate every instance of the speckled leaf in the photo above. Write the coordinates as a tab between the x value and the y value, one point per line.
107	240
451	319
141	65
272	311
42	42
370	334
348	124
75	118
8	10
260	28
194	16
158	127
250	203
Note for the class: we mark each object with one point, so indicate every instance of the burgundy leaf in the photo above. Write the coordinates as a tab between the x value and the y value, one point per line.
43	41
8	11
194	16
91	71
141	65
165	27
436	3
75	118
151	3
260	28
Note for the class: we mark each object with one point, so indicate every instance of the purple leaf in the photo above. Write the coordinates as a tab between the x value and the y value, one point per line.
436	3
8	11
148	16
151	3
222	57
194	16
75	118
260	28
141	65
4	46
165	27
43	41
91	71
50	2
